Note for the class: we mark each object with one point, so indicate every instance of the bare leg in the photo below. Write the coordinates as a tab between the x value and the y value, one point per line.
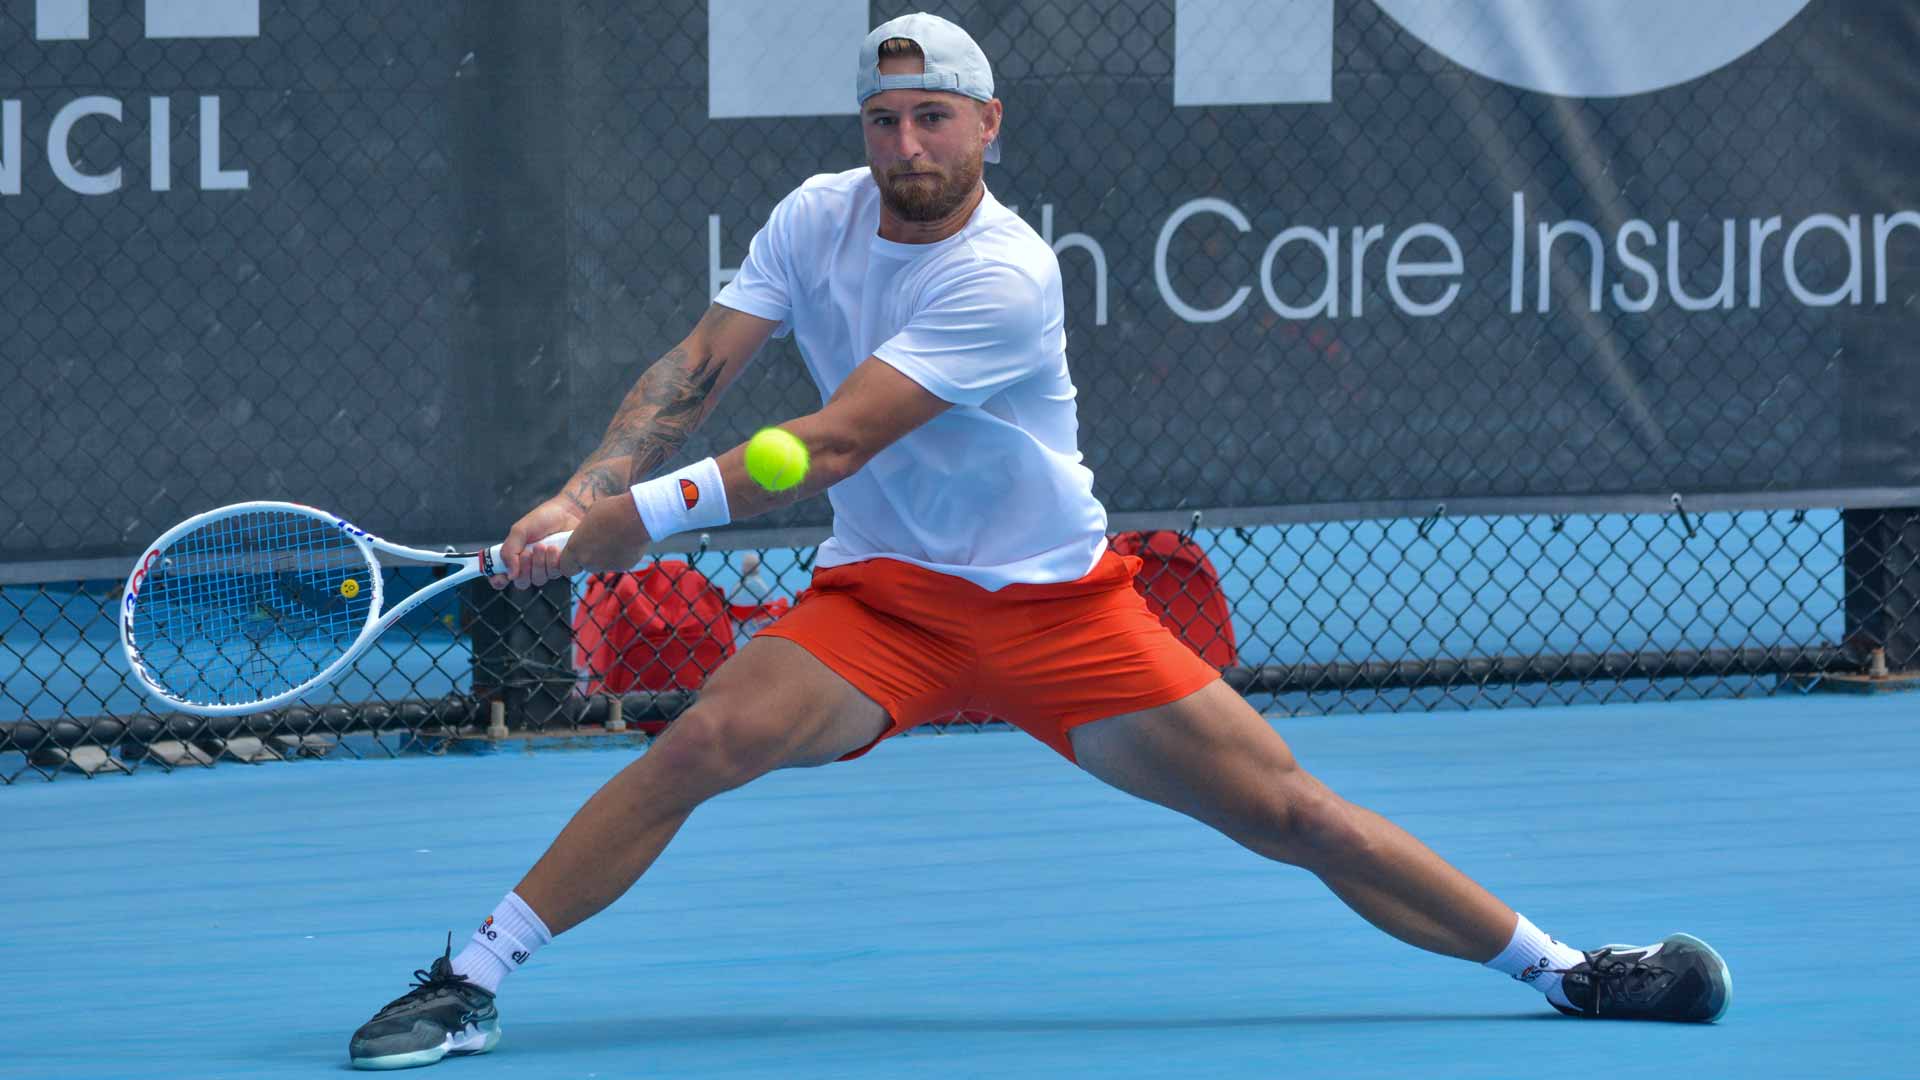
1212	757
771	706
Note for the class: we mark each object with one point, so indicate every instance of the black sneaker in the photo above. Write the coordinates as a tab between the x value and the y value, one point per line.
443	1014
1681	978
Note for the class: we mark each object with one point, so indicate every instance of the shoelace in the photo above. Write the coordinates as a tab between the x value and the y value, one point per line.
428	980
1610	975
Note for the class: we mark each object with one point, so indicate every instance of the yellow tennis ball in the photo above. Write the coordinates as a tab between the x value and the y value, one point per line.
775	459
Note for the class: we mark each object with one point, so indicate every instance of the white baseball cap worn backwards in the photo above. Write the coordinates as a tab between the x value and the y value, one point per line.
953	63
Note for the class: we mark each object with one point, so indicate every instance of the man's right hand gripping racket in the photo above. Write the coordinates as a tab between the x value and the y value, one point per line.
247	607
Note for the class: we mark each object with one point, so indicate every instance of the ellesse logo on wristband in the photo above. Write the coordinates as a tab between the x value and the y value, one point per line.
689	492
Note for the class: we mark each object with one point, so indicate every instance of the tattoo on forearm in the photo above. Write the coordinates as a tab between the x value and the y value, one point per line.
661	413
654	420
652	424
596	480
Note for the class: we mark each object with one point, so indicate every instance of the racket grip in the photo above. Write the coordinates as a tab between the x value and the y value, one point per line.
492	558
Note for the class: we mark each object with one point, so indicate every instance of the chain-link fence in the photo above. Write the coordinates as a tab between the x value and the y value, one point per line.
1427	339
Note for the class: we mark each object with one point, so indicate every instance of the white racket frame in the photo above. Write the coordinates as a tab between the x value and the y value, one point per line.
473	564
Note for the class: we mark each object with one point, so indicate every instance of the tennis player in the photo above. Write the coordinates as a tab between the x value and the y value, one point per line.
968	568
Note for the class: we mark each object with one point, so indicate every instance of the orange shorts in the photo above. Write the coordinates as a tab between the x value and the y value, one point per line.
1046	657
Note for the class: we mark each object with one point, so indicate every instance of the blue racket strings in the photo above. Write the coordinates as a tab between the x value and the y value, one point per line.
248	607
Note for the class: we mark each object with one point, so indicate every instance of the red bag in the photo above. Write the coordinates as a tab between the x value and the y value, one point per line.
664	627
1180	583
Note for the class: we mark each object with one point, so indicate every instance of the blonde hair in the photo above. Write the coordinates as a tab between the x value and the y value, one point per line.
899	46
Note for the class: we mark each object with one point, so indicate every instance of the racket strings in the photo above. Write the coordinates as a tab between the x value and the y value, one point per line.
251	606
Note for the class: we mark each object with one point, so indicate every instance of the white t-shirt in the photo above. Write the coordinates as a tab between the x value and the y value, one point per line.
993	489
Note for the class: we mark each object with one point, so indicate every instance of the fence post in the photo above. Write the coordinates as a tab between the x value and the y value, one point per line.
522	649
1881	560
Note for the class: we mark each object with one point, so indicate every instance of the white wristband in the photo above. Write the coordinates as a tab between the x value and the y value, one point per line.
685	499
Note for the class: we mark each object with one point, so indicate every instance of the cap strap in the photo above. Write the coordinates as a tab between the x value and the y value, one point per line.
933	80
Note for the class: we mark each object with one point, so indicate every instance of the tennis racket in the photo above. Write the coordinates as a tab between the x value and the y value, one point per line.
247	607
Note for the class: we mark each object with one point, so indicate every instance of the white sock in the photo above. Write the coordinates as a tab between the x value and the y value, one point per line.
1534	958
505	941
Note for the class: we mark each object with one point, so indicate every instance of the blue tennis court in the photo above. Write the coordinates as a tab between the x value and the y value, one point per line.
970	906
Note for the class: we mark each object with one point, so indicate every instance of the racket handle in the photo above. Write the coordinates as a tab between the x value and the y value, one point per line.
492	557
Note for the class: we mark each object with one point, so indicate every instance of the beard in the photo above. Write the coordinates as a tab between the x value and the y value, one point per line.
930	198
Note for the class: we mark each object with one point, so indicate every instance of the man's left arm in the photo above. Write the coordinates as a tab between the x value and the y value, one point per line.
872	409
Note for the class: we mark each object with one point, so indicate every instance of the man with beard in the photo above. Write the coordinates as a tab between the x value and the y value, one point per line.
968	568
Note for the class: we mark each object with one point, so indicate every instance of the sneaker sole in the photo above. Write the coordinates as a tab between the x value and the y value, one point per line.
485	1038
1726	973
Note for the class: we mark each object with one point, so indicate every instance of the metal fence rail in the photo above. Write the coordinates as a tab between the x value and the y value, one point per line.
1437	613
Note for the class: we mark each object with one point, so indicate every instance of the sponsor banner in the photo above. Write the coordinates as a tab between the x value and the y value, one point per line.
1379	257
1318	254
